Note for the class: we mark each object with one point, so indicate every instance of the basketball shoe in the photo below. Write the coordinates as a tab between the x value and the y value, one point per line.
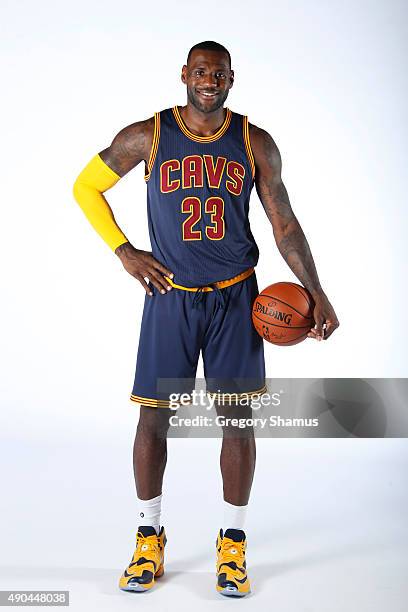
147	562
232	579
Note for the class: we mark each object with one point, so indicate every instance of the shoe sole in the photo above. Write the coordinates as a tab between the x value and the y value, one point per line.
229	592
139	588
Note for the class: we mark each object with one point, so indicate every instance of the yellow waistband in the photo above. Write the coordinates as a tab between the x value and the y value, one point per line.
219	284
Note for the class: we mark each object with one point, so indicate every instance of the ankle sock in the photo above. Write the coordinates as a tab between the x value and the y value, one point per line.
149	511
234	516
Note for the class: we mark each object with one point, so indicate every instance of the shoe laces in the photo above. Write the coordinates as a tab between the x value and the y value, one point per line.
147	543
233	551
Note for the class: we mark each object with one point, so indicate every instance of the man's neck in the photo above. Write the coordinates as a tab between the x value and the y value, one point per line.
202	124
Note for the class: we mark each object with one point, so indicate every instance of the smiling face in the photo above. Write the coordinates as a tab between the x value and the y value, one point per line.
208	77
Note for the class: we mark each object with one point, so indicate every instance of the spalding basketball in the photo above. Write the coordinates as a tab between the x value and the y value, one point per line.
283	313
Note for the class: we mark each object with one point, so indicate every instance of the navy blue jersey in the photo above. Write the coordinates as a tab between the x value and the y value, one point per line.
198	190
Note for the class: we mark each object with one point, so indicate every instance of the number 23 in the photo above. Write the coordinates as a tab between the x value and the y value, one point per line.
214	206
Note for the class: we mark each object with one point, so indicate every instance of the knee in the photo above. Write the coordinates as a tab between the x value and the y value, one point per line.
153	422
236	422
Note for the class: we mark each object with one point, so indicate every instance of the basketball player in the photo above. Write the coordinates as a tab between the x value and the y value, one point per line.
201	162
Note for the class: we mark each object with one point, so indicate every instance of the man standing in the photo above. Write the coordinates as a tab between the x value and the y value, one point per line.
201	162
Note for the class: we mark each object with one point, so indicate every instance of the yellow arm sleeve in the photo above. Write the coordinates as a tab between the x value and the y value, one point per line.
94	179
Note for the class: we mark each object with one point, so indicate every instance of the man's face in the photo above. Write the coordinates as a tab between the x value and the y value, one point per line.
208	78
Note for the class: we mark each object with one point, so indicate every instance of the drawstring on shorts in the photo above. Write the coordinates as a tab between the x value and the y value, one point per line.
199	294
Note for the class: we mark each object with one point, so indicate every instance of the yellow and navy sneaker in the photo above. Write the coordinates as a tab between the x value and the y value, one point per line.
147	562
232	579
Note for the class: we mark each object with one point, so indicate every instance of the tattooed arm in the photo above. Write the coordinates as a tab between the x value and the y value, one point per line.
288	234
131	146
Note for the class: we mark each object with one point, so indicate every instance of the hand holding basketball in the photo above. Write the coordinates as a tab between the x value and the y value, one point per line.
283	314
286	314
324	317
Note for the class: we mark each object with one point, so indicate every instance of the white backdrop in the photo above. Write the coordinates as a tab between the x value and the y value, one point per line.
327	80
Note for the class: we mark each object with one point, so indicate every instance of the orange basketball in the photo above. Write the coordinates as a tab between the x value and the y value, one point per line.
283	313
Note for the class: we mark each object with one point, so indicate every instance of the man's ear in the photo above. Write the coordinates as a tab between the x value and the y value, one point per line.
184	74
232	78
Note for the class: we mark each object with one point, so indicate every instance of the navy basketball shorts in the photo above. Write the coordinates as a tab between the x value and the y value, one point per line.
177	325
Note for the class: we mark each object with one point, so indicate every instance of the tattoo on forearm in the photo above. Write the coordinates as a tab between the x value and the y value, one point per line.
289	236
296	252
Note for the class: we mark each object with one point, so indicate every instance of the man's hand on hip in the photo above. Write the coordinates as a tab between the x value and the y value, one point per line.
142	265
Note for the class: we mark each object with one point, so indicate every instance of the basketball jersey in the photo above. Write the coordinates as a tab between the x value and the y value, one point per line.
198	190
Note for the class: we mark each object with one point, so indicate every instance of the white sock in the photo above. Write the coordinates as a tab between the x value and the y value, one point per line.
234	516
149	512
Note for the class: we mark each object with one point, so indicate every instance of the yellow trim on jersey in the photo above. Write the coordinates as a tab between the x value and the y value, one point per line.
155	146
149	401
219	284
248	146
236	396
220	132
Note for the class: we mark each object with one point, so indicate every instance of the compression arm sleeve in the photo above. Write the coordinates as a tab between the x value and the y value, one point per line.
94	179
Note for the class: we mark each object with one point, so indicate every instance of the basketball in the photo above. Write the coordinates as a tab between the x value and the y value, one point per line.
283	313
